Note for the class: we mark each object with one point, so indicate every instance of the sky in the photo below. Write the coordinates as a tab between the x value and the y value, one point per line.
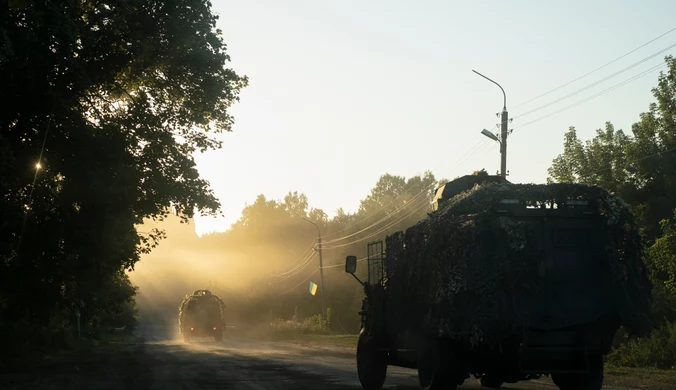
342	92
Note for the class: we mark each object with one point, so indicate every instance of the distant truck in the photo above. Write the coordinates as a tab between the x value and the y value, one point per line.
505	282
202	314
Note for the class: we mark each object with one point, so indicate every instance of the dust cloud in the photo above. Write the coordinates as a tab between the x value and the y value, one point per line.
184	262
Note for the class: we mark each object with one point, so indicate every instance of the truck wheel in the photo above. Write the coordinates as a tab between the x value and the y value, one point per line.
490	381
436	368
371	363
591	381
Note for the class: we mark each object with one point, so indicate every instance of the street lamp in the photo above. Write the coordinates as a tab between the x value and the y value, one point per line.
503	130
490	135
321	266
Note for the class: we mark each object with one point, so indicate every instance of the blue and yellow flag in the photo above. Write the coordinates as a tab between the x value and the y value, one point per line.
313	288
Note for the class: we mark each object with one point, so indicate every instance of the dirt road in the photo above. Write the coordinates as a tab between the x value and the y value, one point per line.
159	361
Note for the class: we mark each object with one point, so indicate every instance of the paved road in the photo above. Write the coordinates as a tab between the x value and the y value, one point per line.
158	360
254	365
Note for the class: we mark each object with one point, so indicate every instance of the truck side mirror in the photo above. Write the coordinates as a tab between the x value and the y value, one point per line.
351	264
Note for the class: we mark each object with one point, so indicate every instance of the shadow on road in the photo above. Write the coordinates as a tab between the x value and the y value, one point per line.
157	360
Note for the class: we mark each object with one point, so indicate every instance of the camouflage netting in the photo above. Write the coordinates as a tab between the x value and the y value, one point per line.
191	298
480	270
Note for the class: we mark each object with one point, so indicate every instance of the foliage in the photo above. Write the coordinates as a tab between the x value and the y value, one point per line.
657	351
641	169
663	254
310	325
111	100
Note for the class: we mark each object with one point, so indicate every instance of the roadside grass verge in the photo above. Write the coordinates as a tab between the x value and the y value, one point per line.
299	333
615	376
71	352
340	341
640	378
91	364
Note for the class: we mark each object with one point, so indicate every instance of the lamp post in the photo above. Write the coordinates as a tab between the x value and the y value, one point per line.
503	130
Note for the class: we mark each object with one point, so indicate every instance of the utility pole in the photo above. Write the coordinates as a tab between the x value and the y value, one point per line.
503	130
321	267
503	143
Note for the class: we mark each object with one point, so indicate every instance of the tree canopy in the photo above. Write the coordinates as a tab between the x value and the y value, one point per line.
104	105
641	168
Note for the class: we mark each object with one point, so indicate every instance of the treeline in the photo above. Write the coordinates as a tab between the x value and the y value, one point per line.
103	106
279	239
263	264
641	168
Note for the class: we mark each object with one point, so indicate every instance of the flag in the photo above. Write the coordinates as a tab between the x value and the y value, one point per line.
313	288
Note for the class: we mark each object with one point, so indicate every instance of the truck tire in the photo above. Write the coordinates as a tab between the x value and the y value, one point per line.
591	381
371	362
436	367
491	381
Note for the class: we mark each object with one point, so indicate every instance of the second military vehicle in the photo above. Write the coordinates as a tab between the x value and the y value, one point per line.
202	314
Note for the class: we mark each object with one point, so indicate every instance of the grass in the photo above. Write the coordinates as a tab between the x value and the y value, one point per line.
622	377
308	332
342	341
83	350
640	378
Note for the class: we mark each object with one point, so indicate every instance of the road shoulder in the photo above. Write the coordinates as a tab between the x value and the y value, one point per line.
116	365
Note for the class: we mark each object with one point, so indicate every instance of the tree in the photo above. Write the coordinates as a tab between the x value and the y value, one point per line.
296	204
641	169
112	100
600	161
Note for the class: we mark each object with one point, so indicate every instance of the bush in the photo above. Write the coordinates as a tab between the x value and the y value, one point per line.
656	351
311	325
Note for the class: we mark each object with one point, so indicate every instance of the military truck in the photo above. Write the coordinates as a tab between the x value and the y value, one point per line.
504	282
202	314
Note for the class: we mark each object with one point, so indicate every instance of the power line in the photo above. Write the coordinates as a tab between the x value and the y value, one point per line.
596	82
373	225
384	206
636	77
380	230
342	264
386	217
593	71
640	159
481	143
300	259
299	284
472	151
308	260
